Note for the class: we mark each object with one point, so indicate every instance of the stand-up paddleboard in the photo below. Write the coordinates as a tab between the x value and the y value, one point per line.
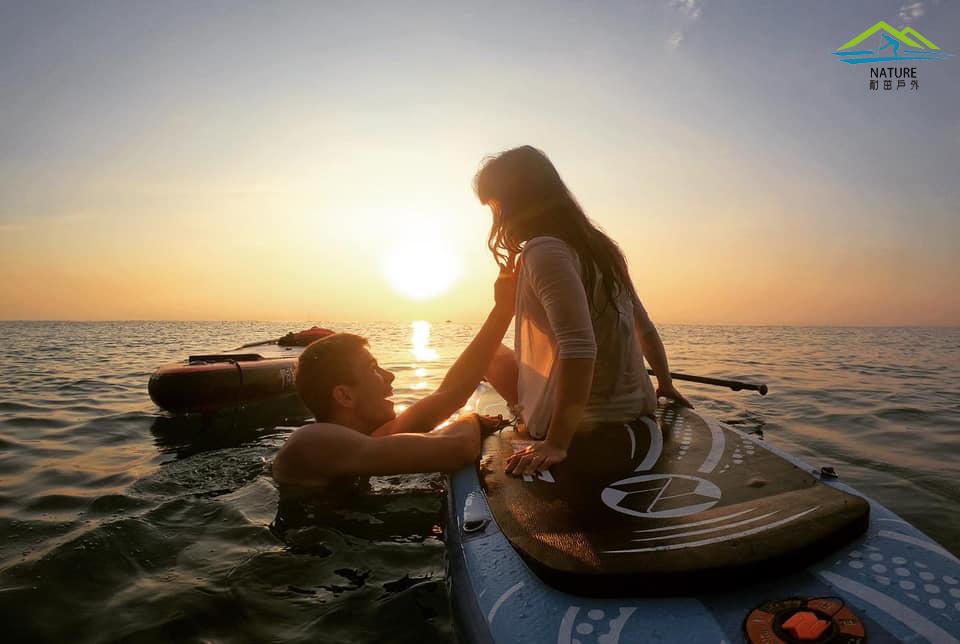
686	529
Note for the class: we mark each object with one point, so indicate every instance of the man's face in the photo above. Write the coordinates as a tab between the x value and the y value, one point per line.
370	391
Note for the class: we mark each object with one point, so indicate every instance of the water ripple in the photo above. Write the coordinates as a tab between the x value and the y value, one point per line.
120	522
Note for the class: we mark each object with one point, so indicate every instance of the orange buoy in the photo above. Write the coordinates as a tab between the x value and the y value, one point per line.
804	619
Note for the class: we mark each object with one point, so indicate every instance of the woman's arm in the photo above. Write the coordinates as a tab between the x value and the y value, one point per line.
652	347
574	377
552	271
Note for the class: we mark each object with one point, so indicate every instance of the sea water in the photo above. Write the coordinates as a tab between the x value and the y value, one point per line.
119	522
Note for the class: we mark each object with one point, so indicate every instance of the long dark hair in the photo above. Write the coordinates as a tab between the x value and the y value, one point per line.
528	198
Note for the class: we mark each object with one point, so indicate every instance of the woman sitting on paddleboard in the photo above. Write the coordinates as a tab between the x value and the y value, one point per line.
581	332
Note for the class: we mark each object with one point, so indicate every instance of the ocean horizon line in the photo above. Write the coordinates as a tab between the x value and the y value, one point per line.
451	321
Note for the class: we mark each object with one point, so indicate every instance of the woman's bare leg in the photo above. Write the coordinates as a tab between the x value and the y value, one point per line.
503	374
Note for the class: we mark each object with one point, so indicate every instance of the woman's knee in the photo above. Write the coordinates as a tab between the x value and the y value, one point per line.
502	374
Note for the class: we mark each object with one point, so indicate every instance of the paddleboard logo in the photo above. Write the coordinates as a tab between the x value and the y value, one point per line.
595	622
661	495
881	43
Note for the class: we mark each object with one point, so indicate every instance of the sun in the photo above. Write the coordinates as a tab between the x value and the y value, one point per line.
421	267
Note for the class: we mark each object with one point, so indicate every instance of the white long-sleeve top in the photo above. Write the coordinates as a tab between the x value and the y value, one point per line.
555	320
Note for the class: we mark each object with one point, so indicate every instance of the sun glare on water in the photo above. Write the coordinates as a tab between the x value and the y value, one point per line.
421	268
420	340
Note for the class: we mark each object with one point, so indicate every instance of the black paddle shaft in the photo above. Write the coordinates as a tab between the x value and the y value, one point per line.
256	344
735	385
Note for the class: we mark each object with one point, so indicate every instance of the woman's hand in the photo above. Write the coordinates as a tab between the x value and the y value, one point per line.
669	391
536	458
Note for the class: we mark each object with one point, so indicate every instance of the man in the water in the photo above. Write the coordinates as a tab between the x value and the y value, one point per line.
357	432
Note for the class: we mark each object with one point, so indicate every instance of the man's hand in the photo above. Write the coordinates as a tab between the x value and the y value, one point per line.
505	288
670	392
491	424
536	458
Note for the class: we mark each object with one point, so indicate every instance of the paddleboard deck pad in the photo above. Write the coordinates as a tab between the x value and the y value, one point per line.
527	557
660	506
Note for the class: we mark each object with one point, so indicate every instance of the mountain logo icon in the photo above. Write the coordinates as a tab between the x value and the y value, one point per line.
892	45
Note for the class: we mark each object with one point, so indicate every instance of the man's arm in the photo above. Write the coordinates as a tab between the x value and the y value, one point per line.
444	450
465	374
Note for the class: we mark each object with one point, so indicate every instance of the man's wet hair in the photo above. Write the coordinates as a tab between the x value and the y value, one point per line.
323	365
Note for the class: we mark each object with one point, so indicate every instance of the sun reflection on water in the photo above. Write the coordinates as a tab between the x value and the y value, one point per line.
422	351
421	342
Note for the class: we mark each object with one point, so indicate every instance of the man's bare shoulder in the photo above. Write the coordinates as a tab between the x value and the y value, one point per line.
322	432
310	454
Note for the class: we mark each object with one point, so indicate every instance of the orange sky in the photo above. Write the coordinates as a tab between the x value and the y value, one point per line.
243	167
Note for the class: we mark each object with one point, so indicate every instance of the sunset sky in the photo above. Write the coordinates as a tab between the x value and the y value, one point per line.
228	160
